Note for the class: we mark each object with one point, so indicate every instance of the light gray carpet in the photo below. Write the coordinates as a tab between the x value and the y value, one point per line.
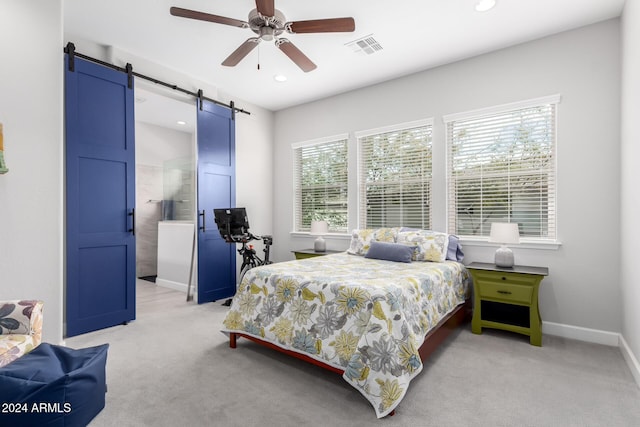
172	367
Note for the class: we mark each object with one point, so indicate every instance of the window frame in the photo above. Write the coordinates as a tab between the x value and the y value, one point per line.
361	193
552	229
297	221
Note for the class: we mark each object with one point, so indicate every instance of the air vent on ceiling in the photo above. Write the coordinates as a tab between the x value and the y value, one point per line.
367	45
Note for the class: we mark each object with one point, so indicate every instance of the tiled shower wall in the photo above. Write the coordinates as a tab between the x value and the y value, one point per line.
179	186
149	194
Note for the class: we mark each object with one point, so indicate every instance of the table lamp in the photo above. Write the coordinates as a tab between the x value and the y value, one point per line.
505	233
319	228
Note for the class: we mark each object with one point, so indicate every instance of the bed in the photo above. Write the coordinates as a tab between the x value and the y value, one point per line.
359	316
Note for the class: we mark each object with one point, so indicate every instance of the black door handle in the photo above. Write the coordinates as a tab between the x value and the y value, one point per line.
132	214
203	227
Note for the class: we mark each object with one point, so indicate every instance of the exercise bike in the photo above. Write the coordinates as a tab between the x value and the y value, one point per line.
233	226
249	257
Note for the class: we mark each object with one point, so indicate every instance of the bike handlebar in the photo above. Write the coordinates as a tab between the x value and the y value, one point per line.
248	237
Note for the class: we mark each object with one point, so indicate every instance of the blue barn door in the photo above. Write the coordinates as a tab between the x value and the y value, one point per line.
216	189
100	197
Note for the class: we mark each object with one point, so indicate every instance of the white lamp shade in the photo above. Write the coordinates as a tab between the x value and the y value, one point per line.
504	233
319	228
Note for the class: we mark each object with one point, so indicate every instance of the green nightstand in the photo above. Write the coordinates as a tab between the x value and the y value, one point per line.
310	253
507	299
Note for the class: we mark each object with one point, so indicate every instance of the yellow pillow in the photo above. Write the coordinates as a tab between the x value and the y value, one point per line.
430	245
361	239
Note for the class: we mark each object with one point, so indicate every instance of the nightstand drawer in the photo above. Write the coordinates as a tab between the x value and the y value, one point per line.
506	277
506	292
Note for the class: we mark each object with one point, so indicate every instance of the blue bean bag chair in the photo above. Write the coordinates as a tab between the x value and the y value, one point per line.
54	386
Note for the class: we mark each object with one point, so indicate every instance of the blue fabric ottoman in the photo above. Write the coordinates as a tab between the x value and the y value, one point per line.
54	386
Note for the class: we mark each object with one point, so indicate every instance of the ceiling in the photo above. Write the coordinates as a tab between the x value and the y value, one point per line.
414	35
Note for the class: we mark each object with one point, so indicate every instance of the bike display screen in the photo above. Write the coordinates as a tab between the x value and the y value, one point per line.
231	222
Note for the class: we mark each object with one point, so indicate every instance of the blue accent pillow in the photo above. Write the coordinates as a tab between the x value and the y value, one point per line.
390	251
454	252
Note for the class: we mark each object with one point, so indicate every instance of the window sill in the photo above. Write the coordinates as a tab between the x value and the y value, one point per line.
329	236
551	245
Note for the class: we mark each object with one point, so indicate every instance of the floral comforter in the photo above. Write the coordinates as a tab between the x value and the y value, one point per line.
364	316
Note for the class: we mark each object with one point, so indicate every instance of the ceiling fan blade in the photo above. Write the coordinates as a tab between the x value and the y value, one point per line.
201	16
332	25
296	55
242	51
266	7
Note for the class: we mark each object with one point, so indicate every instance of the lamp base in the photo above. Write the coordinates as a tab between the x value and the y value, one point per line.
320	245
504	257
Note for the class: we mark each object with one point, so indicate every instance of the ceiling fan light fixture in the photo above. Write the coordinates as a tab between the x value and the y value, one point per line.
280	78
485	5
266	33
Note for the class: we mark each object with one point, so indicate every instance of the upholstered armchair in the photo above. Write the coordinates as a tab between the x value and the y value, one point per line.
20	328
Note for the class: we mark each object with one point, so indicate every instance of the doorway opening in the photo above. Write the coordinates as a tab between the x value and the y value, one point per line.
165	132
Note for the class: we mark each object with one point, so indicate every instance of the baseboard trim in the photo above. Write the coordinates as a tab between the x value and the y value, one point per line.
172	285
597	337
582	334
631	359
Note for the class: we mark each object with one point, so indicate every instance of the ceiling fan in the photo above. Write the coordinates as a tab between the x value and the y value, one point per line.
268	23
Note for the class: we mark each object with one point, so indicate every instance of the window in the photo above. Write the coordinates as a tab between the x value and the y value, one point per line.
320	183
395	176
502	168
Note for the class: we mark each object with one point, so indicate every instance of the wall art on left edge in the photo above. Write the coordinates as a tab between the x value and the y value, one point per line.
3	166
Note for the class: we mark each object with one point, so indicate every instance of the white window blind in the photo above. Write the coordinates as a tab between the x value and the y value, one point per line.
502	168
395	177
320	185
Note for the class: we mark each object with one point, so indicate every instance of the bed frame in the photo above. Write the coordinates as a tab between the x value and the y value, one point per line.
432	341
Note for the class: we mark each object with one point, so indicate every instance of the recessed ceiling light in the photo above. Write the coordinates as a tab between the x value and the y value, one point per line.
181	122
280	78
484	5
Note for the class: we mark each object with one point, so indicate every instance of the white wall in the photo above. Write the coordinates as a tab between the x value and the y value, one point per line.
254	171
630	193
31	214
583	66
